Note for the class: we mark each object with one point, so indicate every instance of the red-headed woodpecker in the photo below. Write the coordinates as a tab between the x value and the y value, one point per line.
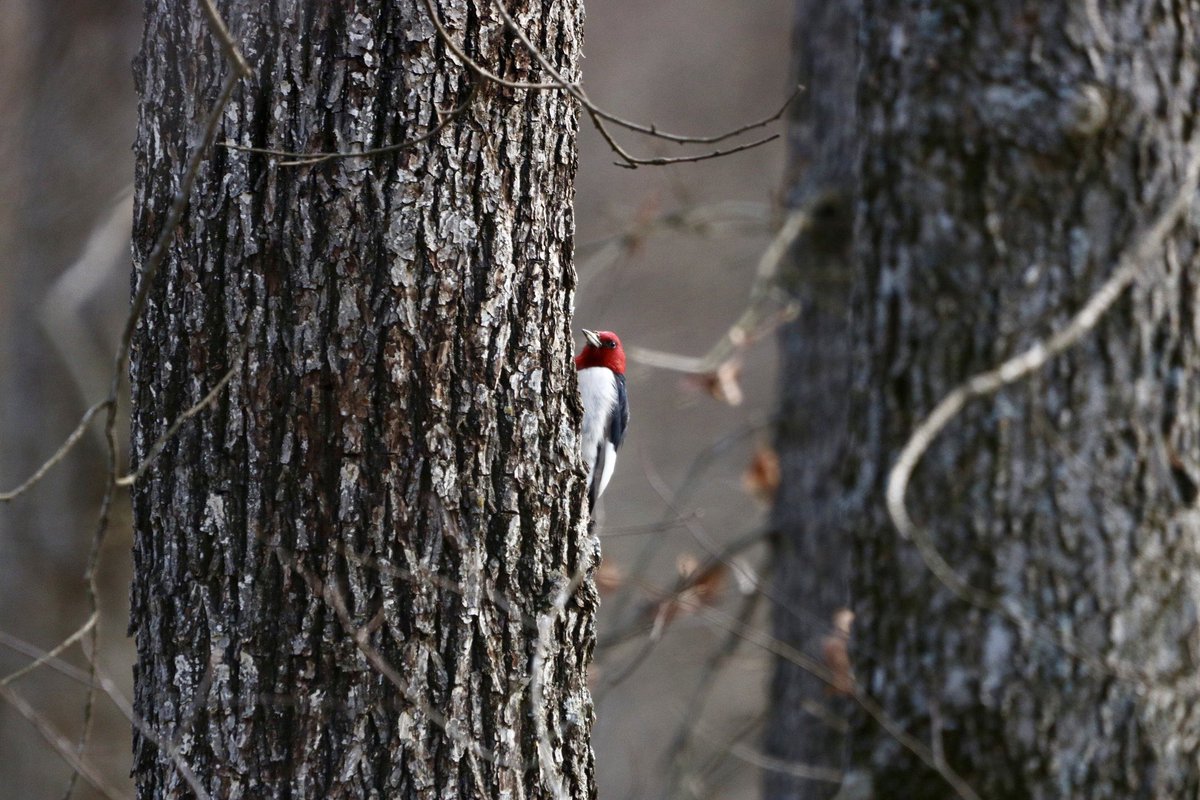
601	368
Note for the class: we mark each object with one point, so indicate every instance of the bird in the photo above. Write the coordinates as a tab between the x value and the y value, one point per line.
601	369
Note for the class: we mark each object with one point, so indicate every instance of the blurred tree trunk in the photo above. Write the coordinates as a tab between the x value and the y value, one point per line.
811	585
1011	154
401	434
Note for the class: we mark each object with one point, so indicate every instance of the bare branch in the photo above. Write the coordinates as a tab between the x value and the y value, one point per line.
699	220
599	115
699	465
221	31
694	708
61	314
312	159
52	654
792	768
744	330
653	130
60	744
620	531
632	162
169	433
868	704
158	253
119	701
59	454
664	601
473	65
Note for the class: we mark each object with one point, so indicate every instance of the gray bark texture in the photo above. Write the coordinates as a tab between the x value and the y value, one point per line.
401	436
1011	153
812	572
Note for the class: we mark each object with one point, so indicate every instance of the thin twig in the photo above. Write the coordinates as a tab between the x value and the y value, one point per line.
51	661
58	456
51	654
475	66
808	772
599	116
60	312
620	531
708	772
694	708
631	161
158	253
664	601
653	130
119	701
221	31
717	554
700	220
820	671
162	441
699	465
60	744
1020	366
868	704
312	159
743	330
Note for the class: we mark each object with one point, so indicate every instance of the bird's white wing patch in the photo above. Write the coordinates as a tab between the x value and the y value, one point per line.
610	463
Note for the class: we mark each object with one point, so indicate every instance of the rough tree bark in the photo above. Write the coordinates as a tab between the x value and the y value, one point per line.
811	579
1012	152
401	434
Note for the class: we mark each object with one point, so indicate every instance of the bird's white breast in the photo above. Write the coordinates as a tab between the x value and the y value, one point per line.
598	392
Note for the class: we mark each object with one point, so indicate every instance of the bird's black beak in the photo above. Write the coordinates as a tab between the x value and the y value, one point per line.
592	337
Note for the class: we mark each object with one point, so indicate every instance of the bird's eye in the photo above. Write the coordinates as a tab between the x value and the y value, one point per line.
610	344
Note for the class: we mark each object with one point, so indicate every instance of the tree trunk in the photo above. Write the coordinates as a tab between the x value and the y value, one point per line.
807	719
1012	153
400	437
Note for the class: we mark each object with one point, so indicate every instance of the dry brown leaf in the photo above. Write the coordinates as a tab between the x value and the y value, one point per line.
698	587
723	382
643	221
609	577
835	651
761	476
702	587
686	564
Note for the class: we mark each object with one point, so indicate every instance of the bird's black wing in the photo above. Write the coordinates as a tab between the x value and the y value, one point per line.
620	415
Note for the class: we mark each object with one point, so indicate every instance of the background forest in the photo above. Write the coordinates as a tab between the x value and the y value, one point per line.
907	508
675	285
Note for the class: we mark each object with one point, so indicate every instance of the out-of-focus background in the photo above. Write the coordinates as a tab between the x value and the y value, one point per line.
666	257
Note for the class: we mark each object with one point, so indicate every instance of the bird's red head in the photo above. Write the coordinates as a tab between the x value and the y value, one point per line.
603	349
